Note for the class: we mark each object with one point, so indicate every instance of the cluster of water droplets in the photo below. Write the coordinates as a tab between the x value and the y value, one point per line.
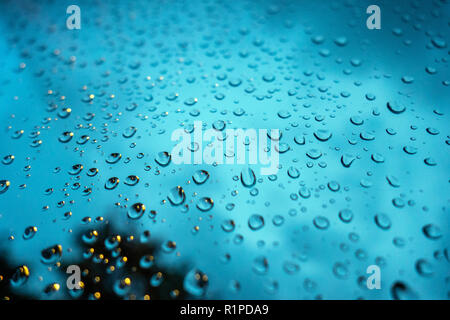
363	149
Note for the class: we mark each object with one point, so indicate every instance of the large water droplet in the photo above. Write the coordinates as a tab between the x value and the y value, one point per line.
111	183
256	222
52	254
321	222
382	221
176	196
200	176
248	177
196	283
205	204
20	276
136	211
163	158
432	231
395	107
4	185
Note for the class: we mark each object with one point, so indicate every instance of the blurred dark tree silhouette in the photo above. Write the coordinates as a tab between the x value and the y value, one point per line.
113	266
120	266
9	272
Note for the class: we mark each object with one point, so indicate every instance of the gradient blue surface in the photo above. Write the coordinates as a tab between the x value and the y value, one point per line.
146	62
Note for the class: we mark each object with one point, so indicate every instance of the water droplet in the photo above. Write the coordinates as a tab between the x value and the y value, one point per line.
111	183
4	185
65	137
293	172
255	222
113	158
334	186
346	215
314	154
169	246
340	270
322	135
424	268
432	131
407	79
438	42
382	221
260	265
347	160
393	181
136	211
92	172
200	176
20	276
284	114
291	267
176	196
304	193
228	225
131	180
146	261
356	120
52	254
156	279
196	283
83	139
205	204
377	157
163	158
401	291
410	149
300	140
129	132
76	169
430	162
278	220
321	222
29	232
248	177
341	41
432	231
395	107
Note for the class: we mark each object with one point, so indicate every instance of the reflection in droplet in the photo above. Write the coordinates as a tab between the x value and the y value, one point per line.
196	283
200	176
111	183
20	276
163	158
52	254
113	158
205	204
131	180
176	196
136	211
29	232
8	159
65	137
4	185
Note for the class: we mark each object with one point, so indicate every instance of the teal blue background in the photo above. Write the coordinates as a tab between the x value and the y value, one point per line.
195	49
